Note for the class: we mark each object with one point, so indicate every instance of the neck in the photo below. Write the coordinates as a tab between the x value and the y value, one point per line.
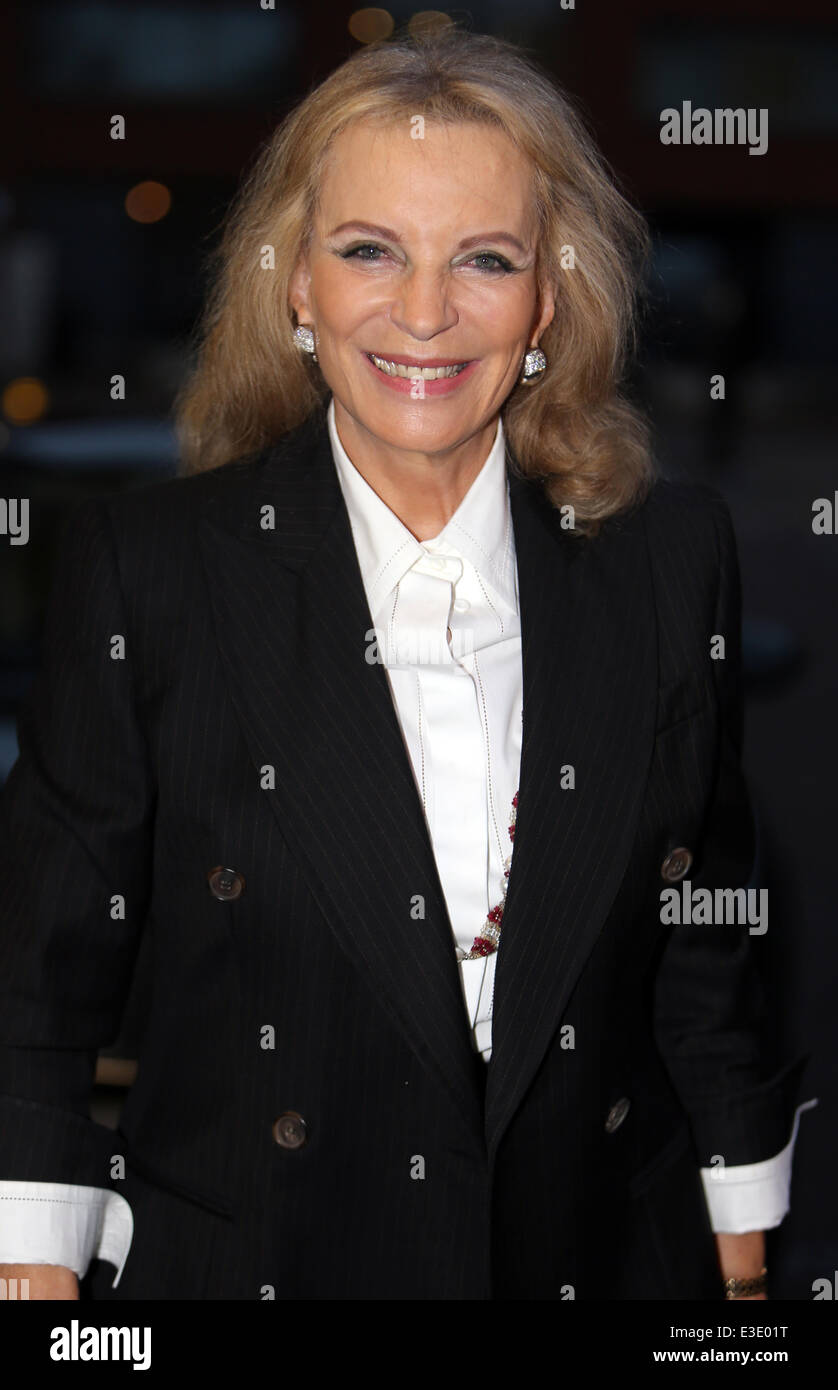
423	490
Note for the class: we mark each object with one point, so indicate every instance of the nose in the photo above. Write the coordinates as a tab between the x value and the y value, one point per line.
422	306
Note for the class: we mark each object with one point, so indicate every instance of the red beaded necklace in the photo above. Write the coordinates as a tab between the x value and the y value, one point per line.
489	939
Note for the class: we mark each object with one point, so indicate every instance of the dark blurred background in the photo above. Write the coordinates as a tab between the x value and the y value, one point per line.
102	250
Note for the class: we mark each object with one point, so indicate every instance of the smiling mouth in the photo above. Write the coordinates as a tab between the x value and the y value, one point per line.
415	373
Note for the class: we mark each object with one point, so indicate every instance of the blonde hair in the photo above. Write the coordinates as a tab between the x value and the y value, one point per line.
573	429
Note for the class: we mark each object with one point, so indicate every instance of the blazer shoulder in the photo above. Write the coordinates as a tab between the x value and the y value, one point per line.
167	507
675	503
687	525
167	511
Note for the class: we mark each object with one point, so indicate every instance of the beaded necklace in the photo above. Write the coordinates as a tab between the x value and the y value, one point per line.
489	939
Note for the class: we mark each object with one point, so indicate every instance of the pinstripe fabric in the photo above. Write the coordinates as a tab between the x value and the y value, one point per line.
245	728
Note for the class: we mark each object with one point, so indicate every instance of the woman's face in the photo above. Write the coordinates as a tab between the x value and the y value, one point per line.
423	253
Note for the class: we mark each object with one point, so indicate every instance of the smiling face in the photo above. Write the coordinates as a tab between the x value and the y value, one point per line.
420	284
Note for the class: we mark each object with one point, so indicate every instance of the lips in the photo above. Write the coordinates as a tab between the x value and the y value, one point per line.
428	379
413	369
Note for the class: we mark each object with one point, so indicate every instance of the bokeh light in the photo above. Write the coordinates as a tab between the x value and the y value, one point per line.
25	400
368	25
148	201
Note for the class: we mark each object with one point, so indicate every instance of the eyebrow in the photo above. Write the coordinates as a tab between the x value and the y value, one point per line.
387	234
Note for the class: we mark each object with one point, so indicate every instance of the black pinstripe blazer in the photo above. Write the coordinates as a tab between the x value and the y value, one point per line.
240	725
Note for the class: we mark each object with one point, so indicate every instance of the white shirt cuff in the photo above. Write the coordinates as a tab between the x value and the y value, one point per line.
752	1196
53	1223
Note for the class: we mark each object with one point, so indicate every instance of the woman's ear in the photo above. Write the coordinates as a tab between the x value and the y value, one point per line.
547	302
298	291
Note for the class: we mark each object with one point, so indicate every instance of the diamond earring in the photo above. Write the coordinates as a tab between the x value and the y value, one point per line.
535	364
305	339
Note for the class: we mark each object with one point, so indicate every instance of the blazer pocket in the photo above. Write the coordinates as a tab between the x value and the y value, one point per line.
681	699
177	1249
153	1176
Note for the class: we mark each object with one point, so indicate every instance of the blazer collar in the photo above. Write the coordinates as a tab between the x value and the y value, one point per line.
292	614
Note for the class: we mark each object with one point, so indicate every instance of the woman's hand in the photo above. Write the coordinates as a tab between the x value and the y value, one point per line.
742	1257
45	1281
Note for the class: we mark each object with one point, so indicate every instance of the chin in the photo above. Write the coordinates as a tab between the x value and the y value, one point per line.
405	429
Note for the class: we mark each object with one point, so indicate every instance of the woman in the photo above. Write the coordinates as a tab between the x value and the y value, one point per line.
418	597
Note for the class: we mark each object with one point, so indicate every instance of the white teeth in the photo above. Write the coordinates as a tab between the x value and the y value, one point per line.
412	373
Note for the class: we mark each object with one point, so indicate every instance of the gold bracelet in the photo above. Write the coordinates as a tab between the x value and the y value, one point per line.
745	1288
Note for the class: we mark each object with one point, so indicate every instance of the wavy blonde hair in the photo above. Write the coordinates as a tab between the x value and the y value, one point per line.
573	430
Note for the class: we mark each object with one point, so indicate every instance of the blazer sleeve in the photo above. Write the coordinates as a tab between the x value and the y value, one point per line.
710	1012
75	861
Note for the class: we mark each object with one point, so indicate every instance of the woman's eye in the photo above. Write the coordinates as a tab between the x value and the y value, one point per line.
500	262
370	254
352	253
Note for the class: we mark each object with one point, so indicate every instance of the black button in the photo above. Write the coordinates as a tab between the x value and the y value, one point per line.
289	1130
617	1114
676	864
225	884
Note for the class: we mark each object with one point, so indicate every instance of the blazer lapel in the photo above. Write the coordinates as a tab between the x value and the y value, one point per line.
292	621
590	677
